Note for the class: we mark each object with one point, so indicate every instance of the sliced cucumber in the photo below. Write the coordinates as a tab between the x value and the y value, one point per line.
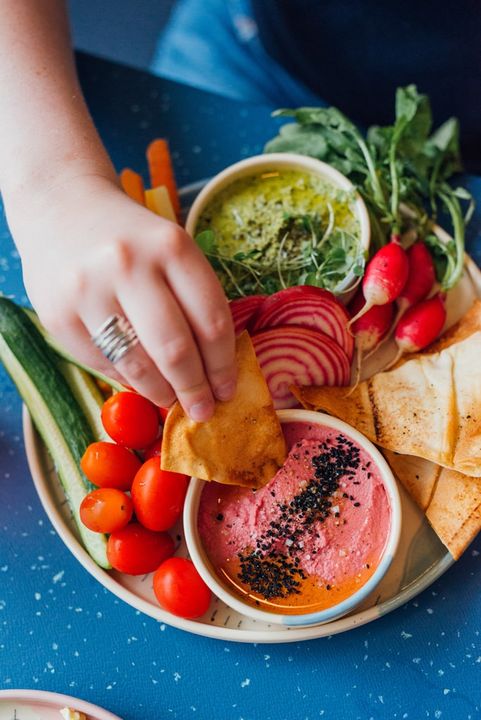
50	340
58	416
88	396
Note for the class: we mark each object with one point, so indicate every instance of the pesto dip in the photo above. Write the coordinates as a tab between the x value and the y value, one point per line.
281	228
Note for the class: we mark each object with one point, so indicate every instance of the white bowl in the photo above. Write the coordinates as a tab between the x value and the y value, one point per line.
208	574
284	161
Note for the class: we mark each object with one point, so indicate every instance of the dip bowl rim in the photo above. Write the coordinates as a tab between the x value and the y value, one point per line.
293	161
198	554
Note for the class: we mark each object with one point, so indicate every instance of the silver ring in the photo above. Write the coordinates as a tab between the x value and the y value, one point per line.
115	337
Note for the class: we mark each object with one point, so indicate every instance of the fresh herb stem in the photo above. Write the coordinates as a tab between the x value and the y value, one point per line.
455	260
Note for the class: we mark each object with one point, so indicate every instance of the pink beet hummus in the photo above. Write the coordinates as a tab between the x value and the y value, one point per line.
309	538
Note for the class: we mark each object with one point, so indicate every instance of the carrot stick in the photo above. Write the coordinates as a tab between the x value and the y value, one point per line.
133	185
161	170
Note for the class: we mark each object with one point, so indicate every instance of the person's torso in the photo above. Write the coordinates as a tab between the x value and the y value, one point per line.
354	53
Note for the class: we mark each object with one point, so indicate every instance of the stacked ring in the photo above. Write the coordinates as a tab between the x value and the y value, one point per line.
115	337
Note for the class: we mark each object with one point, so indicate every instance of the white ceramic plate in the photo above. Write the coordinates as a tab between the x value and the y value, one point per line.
420	560
40	705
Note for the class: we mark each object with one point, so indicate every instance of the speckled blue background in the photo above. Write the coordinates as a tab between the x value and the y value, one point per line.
60	630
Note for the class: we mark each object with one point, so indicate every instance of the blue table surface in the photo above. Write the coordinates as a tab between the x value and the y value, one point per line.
60	630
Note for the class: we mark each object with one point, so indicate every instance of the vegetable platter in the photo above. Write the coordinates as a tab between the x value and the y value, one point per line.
422	558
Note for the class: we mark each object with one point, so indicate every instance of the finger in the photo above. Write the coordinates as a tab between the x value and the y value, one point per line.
202	299
167	338
135	366
72	334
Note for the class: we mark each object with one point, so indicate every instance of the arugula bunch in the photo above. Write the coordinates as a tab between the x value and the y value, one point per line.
401	171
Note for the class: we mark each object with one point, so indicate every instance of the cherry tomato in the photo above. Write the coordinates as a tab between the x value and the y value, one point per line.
130	420
109	465
106	510
180	589
138	551
158	495
154	449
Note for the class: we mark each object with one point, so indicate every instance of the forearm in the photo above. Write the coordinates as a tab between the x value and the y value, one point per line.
46	134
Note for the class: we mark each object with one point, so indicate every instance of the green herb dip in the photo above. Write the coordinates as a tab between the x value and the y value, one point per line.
280	228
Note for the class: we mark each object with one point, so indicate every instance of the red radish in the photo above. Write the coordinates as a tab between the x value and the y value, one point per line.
369	329
420	326
421	277
290	355
309	307
420	282
385	277
244	310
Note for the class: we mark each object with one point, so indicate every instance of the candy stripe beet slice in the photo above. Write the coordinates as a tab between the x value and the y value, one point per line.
290	355
308	307
244	311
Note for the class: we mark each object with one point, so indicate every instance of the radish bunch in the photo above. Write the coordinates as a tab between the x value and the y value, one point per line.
300	336
405	278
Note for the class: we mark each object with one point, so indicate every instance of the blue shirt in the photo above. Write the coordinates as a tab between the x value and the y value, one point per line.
354	53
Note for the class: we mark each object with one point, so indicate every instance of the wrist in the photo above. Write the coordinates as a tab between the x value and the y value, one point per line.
48	201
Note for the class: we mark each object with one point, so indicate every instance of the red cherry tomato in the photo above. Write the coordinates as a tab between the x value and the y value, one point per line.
130	420
138	551
180	589
109	465
158	495
154	449
106	510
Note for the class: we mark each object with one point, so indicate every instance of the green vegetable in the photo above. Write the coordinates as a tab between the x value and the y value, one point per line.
401	170
57	414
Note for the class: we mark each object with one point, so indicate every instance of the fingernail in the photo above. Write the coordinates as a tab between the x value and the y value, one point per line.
200	412
226	391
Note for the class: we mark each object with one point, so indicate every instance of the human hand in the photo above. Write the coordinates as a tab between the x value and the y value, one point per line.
91	252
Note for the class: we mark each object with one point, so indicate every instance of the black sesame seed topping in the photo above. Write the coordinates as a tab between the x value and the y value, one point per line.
272	573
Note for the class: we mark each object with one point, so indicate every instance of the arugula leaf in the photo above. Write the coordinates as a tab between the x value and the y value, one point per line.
302	139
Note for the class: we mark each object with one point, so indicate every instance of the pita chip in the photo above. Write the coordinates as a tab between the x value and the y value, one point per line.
242	444
451	500
429	407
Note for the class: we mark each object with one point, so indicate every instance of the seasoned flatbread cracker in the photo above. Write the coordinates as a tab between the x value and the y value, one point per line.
451	500
429	407
242	444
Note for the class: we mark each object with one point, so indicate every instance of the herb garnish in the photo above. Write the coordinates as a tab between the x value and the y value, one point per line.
308	252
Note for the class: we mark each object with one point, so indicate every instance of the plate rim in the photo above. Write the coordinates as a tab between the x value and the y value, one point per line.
94	711
284	635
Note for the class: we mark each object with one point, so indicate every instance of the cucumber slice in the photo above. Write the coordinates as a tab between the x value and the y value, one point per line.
88	397
63	426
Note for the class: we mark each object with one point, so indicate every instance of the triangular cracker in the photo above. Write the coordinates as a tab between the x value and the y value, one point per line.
451	500
242	444
429	407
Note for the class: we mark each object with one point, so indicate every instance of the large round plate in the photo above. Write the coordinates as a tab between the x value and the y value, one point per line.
41	705
421	558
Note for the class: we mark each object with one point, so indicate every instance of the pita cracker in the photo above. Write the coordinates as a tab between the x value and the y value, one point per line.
451	500
418	476
242	444
429	407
